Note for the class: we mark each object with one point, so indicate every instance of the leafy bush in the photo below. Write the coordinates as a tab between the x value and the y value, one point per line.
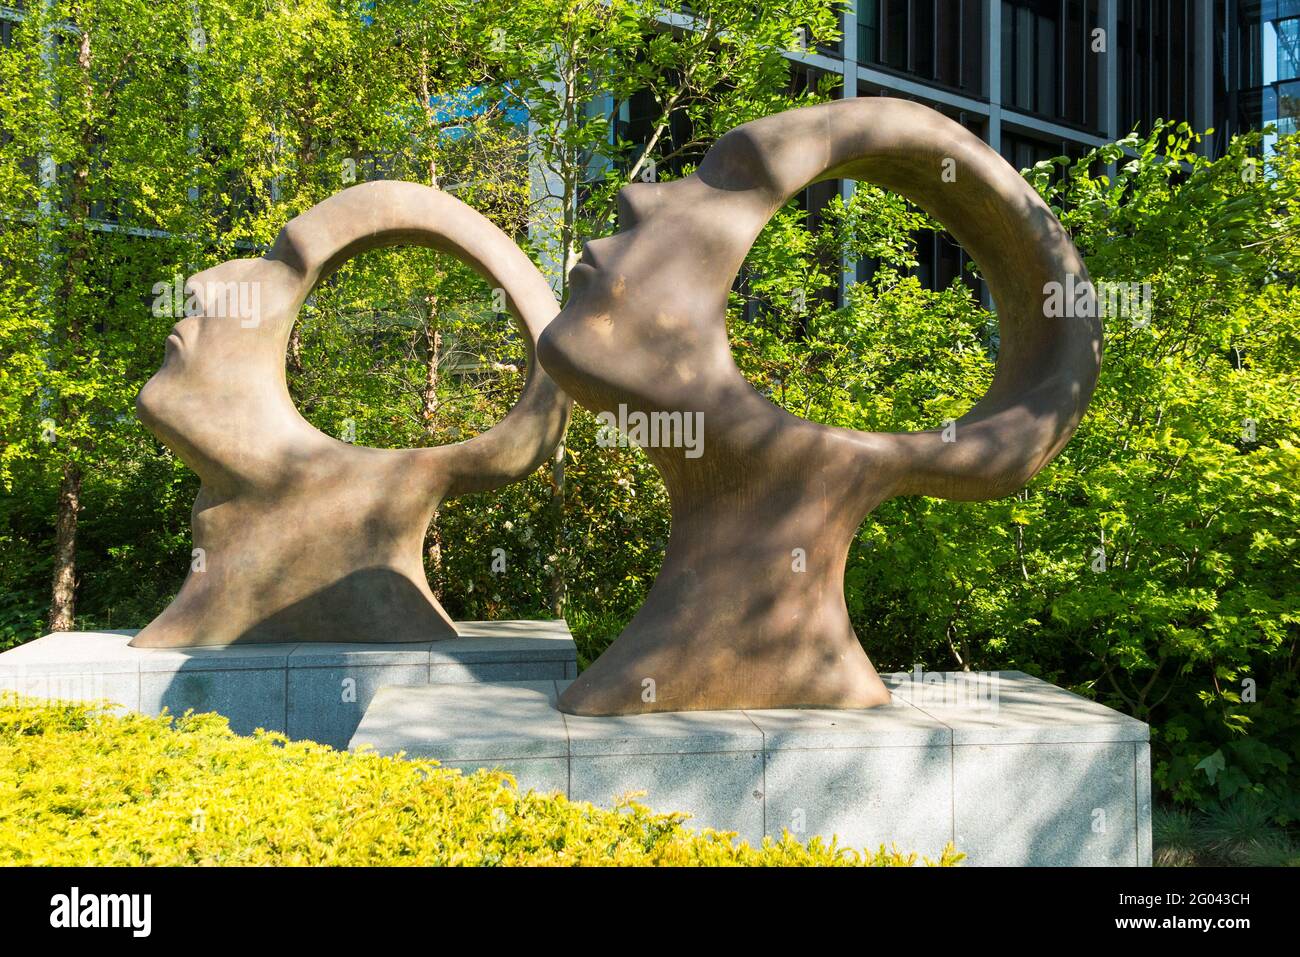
81	786
1155	564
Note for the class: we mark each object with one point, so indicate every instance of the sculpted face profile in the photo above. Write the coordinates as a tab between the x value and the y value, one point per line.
304	537
731	622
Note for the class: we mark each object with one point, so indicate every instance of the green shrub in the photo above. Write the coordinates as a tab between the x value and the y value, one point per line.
1153	565
1236	833
81	786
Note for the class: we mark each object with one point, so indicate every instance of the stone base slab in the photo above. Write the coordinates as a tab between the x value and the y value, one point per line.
309	691
1009	768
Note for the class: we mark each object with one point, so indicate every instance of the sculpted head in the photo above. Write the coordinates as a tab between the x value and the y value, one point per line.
731	621
220	399
299	536
658	285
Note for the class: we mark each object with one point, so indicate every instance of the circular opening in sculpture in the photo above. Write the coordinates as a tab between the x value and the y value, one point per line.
405	347
892	353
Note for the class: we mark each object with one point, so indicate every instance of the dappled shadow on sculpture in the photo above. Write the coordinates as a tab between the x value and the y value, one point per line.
300	536
748	610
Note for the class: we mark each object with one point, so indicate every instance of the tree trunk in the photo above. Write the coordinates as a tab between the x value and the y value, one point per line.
430	116
557	514
63	598
63	586
568	244
429	416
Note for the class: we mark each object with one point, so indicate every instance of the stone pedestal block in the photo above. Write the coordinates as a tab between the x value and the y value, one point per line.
310	691
1011	769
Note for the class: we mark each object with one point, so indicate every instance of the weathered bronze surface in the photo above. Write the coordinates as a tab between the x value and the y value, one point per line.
731	622
305	537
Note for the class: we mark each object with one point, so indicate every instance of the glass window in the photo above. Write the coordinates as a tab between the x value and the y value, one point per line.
923	39
937	40
1031	57
1288	108
948	43
1045	60
869	31
1157	61
972	44
896	33
1008	53
1024	51
1288	49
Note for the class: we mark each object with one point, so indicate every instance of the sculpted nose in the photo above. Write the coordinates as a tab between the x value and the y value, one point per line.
634	201
188	328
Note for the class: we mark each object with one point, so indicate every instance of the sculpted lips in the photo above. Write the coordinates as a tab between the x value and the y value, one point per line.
596	256
588	258
586	263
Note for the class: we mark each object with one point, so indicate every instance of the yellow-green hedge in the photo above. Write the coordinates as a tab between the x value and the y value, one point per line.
81	786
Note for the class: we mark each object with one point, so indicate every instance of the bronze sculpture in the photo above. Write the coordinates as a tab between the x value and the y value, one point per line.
299	536
732	621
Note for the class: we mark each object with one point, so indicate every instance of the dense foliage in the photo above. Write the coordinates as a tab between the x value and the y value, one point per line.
1152	566
88	788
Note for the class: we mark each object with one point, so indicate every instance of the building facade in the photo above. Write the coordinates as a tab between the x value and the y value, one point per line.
1042	78
1038	78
